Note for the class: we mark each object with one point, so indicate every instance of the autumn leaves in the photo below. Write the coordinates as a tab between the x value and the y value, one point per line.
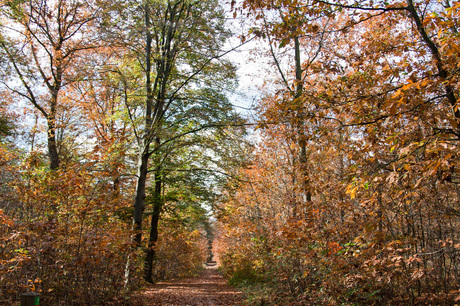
378	114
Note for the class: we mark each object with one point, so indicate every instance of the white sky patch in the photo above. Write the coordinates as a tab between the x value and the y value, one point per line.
250	79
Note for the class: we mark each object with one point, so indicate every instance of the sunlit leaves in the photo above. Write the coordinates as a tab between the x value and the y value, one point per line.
381	109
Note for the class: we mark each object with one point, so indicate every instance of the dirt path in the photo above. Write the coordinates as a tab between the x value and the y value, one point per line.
207	289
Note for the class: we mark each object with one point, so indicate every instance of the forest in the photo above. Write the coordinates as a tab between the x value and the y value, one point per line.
129	156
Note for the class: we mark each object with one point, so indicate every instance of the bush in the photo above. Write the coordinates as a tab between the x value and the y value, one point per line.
65	240
179	252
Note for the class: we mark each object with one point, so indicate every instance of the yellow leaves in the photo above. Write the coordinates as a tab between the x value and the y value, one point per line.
353	188
404	94
422	84
32	283
352	191
397	94
406	87
258	263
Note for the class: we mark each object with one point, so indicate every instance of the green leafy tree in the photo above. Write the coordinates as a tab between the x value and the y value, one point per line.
184	77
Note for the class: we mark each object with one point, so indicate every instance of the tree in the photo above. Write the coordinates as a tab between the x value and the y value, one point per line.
291	36
184	76
42	44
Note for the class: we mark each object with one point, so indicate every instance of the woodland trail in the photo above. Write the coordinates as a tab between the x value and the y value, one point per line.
209	288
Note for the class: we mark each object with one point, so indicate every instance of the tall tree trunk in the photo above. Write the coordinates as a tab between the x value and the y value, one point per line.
139	202
305	181
157	205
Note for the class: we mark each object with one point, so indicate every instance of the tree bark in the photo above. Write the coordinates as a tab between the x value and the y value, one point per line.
157	205
139	202
52	145
303	159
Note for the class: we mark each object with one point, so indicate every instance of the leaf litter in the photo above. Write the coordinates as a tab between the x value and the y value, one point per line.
209	288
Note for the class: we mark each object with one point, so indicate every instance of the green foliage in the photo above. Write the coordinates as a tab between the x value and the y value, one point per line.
7	120
6	127
243	276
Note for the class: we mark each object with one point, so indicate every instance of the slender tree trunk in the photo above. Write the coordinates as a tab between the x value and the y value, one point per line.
52	145
51	121
157	205
306	193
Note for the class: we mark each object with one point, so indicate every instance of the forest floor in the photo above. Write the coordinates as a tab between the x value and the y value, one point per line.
209	288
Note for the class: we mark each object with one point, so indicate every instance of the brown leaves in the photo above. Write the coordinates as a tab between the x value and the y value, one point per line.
381	136
67	237
208	288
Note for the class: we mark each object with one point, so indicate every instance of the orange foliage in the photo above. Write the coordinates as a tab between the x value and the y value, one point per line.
379	113
179	252
65	238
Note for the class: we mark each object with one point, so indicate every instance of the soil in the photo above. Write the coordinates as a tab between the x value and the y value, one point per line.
209	288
